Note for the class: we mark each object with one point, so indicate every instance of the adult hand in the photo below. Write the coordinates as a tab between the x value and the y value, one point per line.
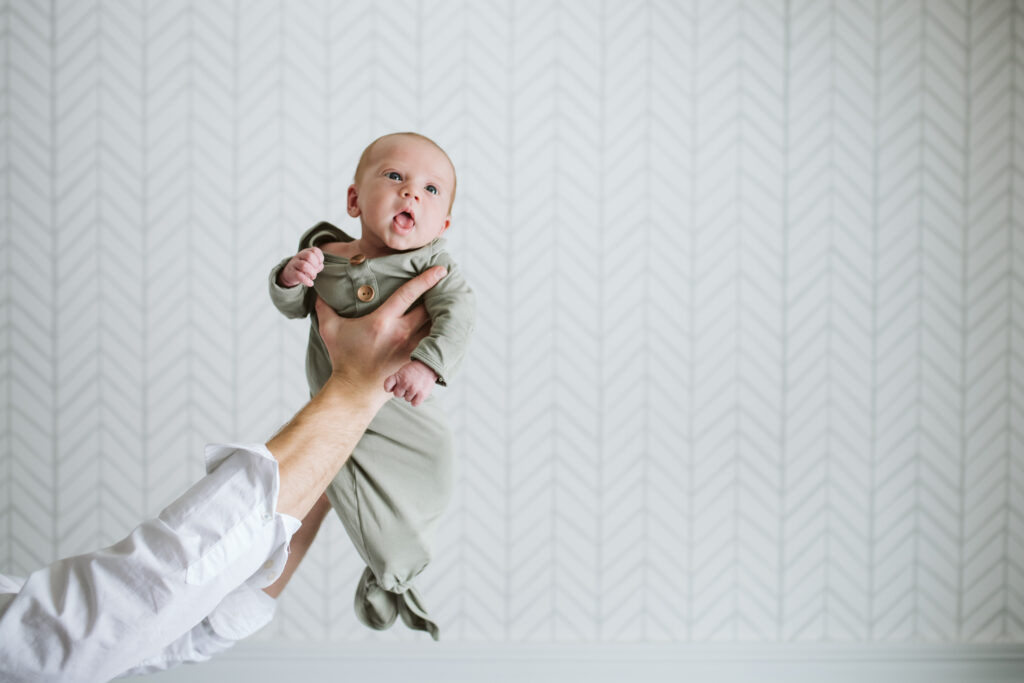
365	351
314	445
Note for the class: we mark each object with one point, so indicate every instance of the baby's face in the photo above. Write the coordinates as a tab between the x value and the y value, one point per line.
403	195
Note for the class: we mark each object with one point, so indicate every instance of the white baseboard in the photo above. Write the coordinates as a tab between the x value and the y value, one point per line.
606	663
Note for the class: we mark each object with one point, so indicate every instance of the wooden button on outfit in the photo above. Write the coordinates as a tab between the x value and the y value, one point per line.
357	259
365	293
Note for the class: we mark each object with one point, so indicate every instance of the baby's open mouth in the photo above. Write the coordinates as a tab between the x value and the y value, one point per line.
404	221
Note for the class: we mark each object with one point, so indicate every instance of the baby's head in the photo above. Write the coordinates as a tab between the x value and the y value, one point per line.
403	192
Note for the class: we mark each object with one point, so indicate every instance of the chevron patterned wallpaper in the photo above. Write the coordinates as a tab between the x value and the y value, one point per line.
750	355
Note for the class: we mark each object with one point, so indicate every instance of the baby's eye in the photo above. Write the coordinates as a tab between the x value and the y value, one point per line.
431	189
394	175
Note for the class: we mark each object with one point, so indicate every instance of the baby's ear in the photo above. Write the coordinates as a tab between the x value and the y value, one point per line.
353	200
447	224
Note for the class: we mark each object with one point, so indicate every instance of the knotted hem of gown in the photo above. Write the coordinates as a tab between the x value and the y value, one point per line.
378	608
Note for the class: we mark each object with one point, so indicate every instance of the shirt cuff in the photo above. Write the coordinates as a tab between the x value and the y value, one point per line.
242	612
285	525
237	472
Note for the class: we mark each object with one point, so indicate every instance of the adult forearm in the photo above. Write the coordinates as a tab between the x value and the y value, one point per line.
314	445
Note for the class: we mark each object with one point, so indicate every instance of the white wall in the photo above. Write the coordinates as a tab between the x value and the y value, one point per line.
749	363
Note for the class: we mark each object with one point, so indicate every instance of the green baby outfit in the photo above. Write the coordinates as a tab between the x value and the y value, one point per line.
393	490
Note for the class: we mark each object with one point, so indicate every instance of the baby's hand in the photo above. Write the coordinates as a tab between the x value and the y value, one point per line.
302	268
413	382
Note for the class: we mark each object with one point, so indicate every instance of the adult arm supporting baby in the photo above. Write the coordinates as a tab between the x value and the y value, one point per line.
94	616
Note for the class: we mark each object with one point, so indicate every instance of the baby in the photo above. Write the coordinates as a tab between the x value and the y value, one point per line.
393	490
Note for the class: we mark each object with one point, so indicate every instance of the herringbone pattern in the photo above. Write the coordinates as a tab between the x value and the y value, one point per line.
6	463
662	427
942	332
78	192
804	390
987	375
897	327
167	355
1008	612
851	262
531	412
622	273
29	332
750	277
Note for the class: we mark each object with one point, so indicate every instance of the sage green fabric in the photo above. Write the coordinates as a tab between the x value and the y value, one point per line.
391	493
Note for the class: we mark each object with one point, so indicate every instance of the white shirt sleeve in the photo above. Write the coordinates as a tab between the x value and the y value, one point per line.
244	611
169	592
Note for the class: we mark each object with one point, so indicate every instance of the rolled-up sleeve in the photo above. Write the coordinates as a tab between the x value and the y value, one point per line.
94	616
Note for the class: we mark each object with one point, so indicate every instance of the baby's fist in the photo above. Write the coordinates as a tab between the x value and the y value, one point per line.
302	268
413	382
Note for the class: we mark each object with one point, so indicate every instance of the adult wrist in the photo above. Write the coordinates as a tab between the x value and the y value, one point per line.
363	393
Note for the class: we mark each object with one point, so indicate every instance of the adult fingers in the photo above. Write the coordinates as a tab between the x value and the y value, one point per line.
324	312
414	326
417	318
405	295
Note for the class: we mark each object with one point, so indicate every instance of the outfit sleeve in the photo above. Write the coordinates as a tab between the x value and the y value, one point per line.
293	302
94	616
452	308
298	301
